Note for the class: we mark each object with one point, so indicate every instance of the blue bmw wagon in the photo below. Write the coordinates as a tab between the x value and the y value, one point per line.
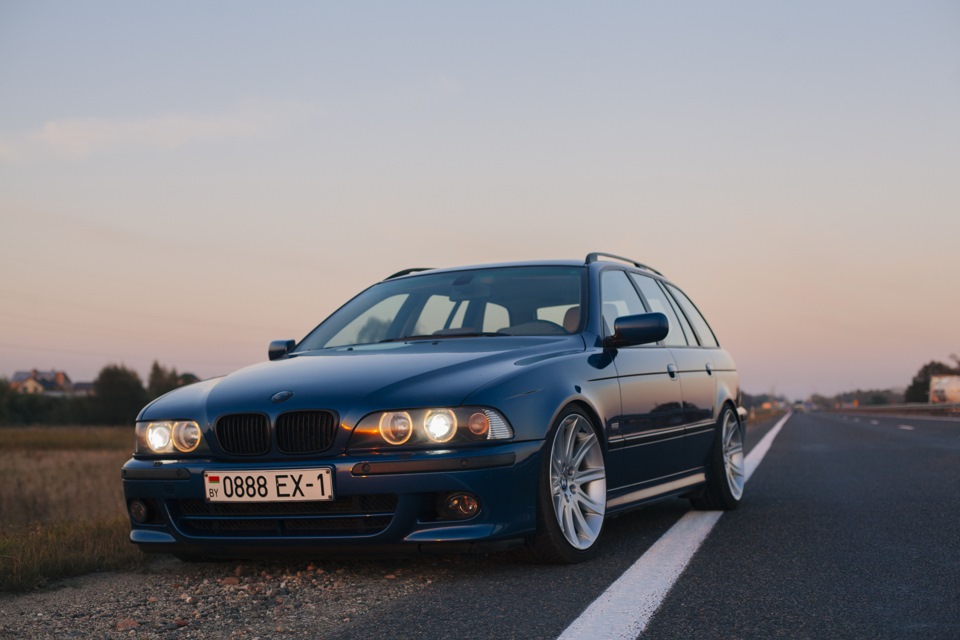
469	407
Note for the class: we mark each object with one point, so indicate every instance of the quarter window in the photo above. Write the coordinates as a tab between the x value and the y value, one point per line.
707	339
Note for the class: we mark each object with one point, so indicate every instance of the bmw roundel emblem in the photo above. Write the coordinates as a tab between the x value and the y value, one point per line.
281	396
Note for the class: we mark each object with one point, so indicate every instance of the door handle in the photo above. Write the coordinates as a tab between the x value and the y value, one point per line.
672	371
709	369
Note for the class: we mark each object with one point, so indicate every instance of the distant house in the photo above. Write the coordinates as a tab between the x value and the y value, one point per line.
36	382
83	388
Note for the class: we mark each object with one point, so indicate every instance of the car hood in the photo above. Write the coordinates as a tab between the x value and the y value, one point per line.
354	381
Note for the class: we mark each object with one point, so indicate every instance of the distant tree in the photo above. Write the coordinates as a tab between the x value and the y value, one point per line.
118	395
919	389
163	380
822	402
5	394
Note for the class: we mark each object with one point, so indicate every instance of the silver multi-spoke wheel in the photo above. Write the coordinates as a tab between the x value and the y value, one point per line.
724	467
578	481
733	454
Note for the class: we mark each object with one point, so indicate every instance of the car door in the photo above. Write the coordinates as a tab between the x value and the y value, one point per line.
696	364
648	432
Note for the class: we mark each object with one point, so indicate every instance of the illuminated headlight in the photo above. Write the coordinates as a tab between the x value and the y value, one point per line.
396	427
440	425
168	436
426	428
186	436
158	436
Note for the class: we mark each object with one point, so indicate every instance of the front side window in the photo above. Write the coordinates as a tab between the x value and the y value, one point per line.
500	301
619	299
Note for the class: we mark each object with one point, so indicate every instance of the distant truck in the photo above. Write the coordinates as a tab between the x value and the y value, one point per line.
944	389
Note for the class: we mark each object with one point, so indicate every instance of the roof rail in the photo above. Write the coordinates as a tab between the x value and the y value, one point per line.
407	272
595	257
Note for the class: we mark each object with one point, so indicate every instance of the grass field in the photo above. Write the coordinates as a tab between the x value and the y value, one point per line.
61	503
62	510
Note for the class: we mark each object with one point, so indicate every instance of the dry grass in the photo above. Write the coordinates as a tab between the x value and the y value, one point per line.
762	415
31	557
62	510
49	486
66	438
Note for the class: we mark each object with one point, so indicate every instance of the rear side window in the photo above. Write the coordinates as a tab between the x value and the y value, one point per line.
707	339
657	300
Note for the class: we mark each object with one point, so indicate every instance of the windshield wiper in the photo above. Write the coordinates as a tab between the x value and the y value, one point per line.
444	336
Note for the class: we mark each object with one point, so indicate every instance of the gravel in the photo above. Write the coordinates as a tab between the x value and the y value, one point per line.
176	600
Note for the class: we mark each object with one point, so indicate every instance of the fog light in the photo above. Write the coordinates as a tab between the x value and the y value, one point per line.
461	506
139	511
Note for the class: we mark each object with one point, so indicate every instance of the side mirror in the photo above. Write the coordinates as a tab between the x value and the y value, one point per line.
280	348
643	328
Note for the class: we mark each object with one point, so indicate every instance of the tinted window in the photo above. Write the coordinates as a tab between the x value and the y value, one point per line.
370	326
703	330
495	317
657	301
619	299
510	300
687	329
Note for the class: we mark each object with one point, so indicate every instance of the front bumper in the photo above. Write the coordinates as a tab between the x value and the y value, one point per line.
380	499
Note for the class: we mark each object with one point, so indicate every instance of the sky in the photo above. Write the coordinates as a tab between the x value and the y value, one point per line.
185	181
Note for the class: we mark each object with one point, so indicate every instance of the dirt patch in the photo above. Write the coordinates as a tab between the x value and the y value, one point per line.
172	599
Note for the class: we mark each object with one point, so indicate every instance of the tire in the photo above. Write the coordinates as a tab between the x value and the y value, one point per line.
725	469
571	493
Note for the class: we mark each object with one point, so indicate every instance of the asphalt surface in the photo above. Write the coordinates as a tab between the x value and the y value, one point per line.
850	528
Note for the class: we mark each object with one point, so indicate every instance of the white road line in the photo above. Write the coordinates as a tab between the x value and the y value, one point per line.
625	609
874	422
907	427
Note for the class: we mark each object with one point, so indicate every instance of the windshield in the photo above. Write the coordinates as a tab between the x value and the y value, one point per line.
507	301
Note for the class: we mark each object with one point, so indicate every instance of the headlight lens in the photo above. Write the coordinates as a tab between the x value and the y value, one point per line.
440	425
158	436
186	436
425	428
396	427
168	436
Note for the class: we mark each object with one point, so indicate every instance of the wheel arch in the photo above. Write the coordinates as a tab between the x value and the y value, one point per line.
595	421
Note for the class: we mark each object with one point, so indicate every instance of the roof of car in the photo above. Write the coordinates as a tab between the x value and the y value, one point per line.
590	259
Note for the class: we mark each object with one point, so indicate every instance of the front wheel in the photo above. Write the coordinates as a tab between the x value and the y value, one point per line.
725	469
572	492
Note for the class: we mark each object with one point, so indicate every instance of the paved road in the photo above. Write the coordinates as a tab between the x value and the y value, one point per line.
850	528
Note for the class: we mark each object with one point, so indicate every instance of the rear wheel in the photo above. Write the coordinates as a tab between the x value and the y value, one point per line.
572	492
726	469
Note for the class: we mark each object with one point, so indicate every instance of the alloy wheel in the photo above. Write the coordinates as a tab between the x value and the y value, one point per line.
733	454
578	481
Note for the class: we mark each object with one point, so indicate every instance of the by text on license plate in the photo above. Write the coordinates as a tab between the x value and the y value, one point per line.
286	485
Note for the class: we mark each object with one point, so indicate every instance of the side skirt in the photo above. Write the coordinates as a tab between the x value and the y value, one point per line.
657	489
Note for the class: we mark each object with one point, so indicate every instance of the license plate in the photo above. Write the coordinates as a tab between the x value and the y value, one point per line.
288	485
